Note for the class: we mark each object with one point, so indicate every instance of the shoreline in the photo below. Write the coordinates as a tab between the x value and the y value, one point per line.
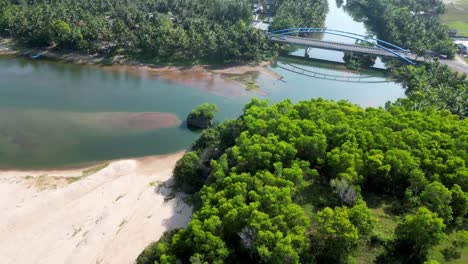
73	169
109	215
217	79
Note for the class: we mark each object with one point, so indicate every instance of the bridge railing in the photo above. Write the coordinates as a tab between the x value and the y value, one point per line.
326	30
336	43
290	31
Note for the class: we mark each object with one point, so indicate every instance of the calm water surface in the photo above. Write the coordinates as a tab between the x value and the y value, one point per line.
338	19
46	107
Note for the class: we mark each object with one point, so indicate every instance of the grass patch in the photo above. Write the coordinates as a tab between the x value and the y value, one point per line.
94	169
308	210
74	179
154	183
387	223
247	79
436	253
88	172
43	182
250	85
456	17
369	249
366	253
460	26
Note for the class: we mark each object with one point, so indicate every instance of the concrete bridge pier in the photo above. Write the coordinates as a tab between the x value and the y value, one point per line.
288	36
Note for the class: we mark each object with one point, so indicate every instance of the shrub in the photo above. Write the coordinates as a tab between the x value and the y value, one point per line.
188	173
206	111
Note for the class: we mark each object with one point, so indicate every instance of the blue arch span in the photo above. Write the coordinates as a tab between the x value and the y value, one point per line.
290	31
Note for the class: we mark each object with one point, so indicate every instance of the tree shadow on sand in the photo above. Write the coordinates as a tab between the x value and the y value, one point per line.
180	203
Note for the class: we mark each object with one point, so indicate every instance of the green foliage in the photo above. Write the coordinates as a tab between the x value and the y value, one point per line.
437	198
459	202
205	111
213	141
457	244
291	14
362	218
433	86
153	251
359	61
188	173
412	24
336	236
65	36
417	234
161	30
208	138
456	17
277	171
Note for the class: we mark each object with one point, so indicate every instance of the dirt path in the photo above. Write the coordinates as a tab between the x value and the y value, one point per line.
457	64
106	217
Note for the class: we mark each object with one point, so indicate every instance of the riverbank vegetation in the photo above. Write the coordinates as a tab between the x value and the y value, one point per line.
456	17
152	31
416	25
161	30
433	86
202	116
308	182
359	61
412	24
291	14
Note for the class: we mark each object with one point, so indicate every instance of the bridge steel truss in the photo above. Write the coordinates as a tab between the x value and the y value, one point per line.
395	50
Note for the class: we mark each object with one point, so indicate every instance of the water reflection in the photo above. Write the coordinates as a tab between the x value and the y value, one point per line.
337	18
54	114
49	111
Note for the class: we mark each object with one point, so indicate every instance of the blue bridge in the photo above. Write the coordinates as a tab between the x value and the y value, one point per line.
376	47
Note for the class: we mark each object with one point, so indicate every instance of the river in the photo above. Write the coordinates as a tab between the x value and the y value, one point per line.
55	114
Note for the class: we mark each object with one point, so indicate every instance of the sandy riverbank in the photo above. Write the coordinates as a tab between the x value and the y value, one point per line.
196	76
68	216
228	81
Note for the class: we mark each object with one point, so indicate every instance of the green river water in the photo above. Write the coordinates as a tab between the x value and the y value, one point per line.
47	108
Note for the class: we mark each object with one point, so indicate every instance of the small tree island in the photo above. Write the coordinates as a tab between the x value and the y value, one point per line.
202	116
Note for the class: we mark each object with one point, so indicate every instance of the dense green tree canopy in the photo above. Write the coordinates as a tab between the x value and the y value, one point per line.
205	110
336	235
161	29
433	86
437	198
187	172
416	235
291	14
412	24
277	171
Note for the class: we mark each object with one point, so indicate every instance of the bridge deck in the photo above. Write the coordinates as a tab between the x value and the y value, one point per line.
329	45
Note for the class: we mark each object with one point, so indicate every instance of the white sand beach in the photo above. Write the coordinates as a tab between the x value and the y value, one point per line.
71	217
